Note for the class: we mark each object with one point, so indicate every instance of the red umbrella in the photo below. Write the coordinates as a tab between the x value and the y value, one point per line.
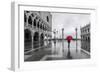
69	38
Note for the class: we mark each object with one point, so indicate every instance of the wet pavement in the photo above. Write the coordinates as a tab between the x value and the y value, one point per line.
58	51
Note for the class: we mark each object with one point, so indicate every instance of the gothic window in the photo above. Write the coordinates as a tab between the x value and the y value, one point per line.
47	19
34	22
32	15
30	20
38	24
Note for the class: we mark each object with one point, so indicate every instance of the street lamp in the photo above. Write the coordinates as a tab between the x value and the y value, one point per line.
62	33
63	40
54	40
55	33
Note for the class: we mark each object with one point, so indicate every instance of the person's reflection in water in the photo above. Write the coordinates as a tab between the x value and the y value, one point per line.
69	55
62	47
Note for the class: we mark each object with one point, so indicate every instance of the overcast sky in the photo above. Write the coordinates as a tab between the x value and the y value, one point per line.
69	22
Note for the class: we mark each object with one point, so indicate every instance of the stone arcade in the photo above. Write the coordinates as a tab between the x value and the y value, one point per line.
37	30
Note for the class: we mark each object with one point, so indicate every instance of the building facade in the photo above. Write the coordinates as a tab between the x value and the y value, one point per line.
85	37
37	29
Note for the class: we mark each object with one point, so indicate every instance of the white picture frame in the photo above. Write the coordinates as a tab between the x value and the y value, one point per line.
17	34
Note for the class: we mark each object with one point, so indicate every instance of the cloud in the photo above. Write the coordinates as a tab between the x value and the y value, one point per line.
69	22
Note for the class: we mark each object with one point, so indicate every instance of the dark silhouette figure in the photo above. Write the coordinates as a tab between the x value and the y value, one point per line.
69	38
69	55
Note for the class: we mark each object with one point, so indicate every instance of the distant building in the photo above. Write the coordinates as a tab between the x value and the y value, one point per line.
85	37
37	28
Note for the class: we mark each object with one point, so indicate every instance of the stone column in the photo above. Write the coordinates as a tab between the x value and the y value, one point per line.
62	49
32	40
76	40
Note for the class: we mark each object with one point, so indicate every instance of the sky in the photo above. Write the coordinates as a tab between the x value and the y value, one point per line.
69	21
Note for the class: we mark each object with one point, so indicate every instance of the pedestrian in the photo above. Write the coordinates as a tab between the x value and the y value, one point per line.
69	38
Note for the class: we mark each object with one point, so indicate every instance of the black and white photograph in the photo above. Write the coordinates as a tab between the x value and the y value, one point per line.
56	36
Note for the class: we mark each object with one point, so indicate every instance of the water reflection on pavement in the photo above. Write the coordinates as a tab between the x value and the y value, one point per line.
61	49
58	51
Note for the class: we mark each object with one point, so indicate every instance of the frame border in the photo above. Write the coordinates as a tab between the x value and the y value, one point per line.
15	29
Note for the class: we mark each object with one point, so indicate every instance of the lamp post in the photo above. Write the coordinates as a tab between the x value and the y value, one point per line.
63	39
62	33
55	32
